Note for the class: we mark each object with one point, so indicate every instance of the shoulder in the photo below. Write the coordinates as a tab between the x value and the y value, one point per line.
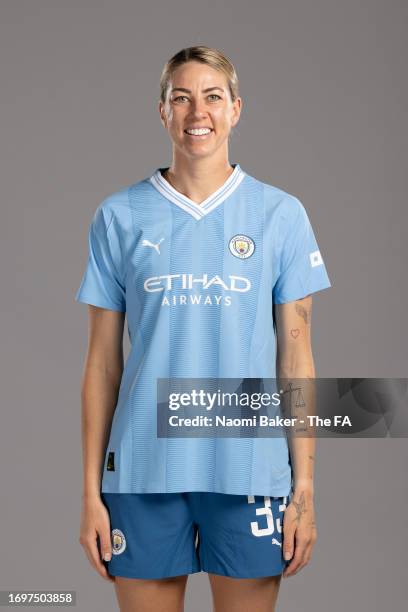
114	204
279	201
115	208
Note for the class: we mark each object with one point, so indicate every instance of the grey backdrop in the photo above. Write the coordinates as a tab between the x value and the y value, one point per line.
325	118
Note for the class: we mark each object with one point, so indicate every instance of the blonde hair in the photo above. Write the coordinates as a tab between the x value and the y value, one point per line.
206	55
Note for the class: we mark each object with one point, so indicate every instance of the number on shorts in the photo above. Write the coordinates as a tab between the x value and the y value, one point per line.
266	511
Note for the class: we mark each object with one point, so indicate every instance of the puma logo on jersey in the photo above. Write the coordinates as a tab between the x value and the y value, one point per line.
152	244
275	541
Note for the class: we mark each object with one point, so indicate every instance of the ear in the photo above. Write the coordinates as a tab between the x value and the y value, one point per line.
162	114
236	111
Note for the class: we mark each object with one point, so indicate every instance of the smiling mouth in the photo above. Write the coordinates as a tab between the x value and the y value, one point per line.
199	136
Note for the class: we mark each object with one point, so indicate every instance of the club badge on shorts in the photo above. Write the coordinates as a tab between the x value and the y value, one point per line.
118	542
241	246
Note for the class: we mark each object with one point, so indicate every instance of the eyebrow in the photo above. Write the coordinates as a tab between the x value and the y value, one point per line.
189	90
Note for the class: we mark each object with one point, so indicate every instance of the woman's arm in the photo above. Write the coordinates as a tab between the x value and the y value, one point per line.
295	360
99	391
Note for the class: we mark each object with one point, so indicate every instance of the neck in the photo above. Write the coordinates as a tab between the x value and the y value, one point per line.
198	178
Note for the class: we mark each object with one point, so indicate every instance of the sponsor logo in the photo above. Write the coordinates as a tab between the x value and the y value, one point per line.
171	282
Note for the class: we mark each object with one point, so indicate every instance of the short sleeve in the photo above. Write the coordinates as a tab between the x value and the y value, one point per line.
302	269
101	283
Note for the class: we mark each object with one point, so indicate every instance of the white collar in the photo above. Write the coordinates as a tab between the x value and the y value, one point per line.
198	211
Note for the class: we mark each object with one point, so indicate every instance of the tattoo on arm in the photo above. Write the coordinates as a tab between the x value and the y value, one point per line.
294	333
303	312
300	507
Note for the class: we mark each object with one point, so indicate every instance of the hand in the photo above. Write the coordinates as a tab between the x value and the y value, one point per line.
95	522
299	531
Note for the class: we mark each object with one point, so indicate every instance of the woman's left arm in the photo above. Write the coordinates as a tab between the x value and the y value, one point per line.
295	360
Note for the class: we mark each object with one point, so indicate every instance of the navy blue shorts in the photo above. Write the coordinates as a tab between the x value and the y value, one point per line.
159	535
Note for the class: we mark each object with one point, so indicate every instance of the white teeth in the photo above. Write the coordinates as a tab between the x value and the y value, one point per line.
199	132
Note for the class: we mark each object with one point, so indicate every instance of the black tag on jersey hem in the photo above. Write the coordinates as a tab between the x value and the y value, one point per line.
111	462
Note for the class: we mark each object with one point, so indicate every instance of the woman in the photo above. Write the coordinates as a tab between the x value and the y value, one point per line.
207	262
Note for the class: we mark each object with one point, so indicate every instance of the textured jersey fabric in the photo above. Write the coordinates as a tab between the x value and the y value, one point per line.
197	283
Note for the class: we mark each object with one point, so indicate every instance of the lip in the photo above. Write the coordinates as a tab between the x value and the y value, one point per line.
195	127
199	137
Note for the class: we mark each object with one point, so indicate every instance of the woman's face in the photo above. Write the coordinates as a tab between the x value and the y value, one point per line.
198	97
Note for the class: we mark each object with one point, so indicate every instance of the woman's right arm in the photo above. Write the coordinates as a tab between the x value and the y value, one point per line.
99	392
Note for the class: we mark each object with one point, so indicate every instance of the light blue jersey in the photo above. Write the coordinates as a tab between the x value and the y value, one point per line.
197	283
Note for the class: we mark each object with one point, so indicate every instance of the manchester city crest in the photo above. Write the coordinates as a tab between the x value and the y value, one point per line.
241	246
118	542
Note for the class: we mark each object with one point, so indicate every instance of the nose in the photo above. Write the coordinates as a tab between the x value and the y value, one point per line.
198	108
